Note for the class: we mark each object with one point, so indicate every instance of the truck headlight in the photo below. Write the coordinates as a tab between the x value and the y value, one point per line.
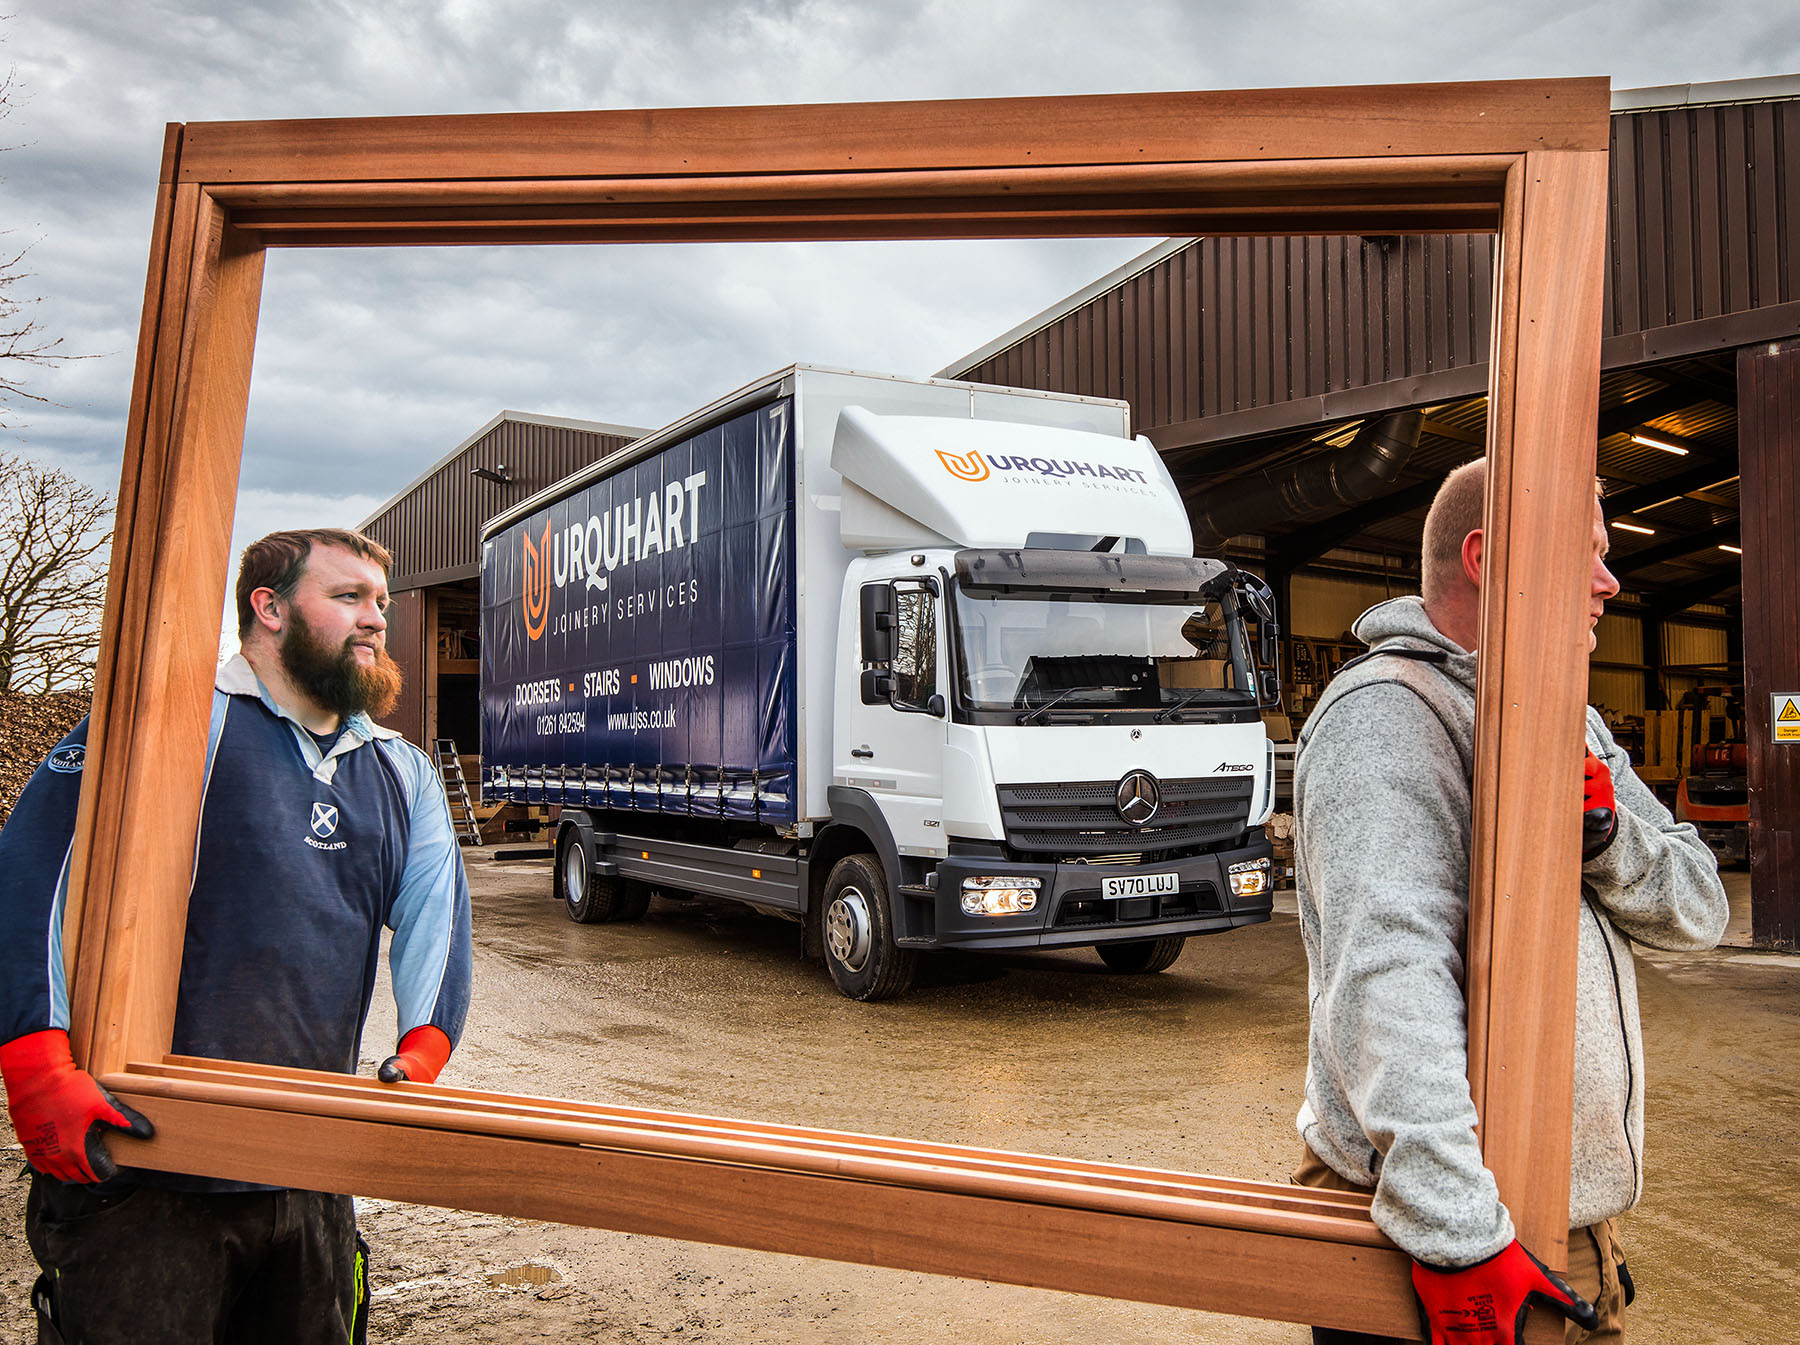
1249	879
999	896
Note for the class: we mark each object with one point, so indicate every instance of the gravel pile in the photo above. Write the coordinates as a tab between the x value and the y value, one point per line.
29	727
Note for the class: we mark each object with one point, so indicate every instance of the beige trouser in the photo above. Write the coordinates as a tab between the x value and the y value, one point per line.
1595	1256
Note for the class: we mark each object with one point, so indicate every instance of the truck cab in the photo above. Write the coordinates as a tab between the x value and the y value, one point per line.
1053	738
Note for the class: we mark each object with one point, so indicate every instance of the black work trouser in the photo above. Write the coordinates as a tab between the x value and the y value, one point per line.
147	1266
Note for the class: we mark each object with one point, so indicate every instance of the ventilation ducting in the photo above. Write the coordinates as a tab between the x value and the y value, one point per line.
1362	469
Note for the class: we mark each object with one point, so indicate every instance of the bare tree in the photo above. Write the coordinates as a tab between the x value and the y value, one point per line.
54	530
24	346
54	538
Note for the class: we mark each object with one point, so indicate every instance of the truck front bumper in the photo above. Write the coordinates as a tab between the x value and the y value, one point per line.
1071	913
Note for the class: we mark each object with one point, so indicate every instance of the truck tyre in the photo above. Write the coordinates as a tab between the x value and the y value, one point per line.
587	899
860	952
1142	956
631	900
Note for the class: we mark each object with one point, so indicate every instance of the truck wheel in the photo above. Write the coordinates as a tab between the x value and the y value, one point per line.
860	952
632	900
1142	956
587	898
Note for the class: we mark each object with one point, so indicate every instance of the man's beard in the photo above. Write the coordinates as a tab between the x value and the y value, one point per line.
334	678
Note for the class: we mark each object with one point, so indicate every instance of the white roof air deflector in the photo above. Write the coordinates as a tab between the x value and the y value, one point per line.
933	480
1171	576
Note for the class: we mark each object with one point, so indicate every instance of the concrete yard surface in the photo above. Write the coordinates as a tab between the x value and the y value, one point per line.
705	1006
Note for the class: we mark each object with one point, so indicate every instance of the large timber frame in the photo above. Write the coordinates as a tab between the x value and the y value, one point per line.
1527	159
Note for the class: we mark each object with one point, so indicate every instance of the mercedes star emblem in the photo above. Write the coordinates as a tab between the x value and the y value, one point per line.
1139	798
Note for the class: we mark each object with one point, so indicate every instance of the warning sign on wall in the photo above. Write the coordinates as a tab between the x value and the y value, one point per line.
1784	716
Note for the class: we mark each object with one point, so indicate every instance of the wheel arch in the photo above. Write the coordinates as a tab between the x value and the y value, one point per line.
856	828
832	843
856	811
575	819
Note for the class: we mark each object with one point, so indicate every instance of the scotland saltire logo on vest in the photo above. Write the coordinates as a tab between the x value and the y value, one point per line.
68	760
324	826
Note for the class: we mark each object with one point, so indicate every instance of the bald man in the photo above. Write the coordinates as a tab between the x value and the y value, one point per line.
1382	811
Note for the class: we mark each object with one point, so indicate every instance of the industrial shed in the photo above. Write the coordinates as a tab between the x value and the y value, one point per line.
1275	375
433	529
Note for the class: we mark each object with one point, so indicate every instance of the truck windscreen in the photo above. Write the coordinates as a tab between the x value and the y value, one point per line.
1094	651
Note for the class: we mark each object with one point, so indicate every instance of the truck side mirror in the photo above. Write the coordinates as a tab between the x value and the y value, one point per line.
935	705
1268	651
877	686
1271	686
878	623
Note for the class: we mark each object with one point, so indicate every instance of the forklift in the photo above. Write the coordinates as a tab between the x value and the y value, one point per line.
1714	794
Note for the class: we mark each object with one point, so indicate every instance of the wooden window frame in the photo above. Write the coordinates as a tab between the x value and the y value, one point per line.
1524	158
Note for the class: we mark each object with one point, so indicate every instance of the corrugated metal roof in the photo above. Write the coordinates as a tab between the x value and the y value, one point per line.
1708	423
1228	324
1704	223
1455	433
1766	89
1665	97
517	417
1681	515
433	527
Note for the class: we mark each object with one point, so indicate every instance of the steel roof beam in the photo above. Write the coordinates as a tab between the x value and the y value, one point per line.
1675	548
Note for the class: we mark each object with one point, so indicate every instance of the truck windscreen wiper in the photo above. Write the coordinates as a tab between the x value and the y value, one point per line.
1170	711
1031	715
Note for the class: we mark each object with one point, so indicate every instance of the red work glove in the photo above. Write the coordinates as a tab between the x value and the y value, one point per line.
60	1112
1599	810
422	1054
1485	1304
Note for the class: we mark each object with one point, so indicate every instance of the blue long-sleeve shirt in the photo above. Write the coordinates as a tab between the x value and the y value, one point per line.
302	858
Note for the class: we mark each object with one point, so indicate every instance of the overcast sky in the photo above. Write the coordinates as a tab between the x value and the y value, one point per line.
370	365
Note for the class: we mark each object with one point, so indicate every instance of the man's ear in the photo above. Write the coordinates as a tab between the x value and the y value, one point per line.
1471	557
267	607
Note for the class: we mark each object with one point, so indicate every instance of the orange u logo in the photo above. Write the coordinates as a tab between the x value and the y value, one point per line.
969	468
535	596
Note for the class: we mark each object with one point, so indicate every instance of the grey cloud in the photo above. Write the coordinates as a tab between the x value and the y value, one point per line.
413	351
371	364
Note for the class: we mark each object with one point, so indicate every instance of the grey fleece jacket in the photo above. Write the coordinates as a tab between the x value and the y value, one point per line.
1381	803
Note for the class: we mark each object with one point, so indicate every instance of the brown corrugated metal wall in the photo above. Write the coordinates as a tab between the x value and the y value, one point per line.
1705	222
434	530
1231	323
1705	213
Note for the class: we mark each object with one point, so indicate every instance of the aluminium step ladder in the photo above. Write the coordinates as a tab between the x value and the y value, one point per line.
456	792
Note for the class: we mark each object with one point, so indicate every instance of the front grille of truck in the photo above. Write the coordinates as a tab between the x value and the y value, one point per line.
1083	819
1085	909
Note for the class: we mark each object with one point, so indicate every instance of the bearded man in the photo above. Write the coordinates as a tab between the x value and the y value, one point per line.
317	828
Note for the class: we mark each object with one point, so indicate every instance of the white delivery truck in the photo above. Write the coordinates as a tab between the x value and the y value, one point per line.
920	664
